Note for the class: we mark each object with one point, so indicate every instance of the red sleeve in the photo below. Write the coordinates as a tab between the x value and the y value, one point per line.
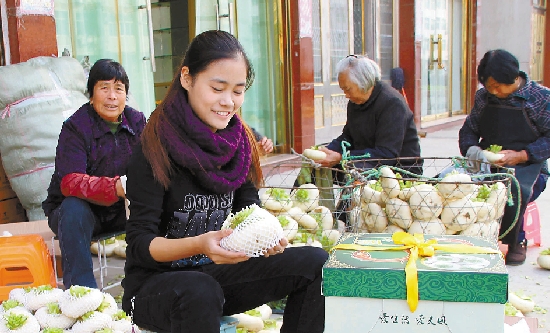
97	190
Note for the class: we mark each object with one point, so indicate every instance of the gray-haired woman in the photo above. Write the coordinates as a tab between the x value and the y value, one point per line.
379	121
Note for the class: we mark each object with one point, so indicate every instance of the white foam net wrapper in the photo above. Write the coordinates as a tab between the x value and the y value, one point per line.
259	232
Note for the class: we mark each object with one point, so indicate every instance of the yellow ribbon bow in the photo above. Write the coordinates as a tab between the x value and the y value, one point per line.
417	246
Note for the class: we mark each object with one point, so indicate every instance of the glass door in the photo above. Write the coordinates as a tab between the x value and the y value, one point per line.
333	39
117	29
256	24
439	26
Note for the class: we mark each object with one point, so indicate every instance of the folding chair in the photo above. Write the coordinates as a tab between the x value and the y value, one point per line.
103	264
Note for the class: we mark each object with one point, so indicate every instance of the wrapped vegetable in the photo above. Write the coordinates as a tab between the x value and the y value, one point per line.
255	231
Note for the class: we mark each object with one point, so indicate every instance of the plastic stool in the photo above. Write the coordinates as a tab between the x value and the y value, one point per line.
531	224
25	261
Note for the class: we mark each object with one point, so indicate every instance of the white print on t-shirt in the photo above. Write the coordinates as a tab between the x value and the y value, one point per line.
200	214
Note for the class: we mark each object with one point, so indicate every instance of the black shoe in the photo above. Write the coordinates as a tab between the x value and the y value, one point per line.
516	254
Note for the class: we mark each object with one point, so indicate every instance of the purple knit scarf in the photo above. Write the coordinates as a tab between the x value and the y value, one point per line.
219	160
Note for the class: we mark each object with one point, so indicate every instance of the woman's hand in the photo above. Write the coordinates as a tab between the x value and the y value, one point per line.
211	247
279	248
332	158
266	144
512	157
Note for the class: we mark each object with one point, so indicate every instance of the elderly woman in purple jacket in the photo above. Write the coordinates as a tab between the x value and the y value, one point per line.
86	195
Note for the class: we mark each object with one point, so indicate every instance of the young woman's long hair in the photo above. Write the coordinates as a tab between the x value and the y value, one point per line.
204	49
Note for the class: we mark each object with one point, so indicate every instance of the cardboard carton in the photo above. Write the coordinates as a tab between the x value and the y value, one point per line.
11	211
366	291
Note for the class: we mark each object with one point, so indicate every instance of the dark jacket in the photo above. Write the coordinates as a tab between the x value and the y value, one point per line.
186	209
87	146
383	126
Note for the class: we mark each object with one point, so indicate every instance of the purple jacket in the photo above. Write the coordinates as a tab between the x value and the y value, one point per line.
87	145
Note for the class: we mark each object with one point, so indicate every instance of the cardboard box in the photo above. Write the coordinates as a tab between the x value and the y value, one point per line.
11	211
366	290
6	191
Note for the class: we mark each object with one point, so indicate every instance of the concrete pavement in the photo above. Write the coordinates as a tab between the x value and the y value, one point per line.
528	278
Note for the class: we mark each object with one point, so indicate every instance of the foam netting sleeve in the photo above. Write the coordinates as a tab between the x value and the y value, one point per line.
258	232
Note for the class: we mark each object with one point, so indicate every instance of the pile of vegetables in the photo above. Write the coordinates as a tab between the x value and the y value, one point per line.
113	246
303	219
257	320
52	310
452	205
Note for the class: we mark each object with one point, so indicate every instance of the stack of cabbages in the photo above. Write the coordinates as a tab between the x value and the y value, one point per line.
453	205
52	310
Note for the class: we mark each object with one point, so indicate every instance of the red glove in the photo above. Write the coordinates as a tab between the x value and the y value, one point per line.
97	190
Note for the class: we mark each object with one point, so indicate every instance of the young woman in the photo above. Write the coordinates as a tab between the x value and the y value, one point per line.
198	162
86	196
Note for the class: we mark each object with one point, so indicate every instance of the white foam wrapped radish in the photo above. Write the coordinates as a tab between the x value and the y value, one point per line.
121	322
38	297
290	226
426	203
399	213
375	218
92	321
108	305
18	321
323	216
255	231
50	316
388	181
431	227
457	215
78	300
455	186
306	197
276	199
11	304
18	294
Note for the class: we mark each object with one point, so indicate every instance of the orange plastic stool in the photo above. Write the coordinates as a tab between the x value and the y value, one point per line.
25	261
531	224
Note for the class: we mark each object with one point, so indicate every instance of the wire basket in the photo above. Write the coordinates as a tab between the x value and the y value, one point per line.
430	195
311	203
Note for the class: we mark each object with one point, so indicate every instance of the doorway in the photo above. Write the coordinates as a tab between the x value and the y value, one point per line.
439	26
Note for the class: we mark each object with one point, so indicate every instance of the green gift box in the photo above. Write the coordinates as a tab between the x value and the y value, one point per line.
451	277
